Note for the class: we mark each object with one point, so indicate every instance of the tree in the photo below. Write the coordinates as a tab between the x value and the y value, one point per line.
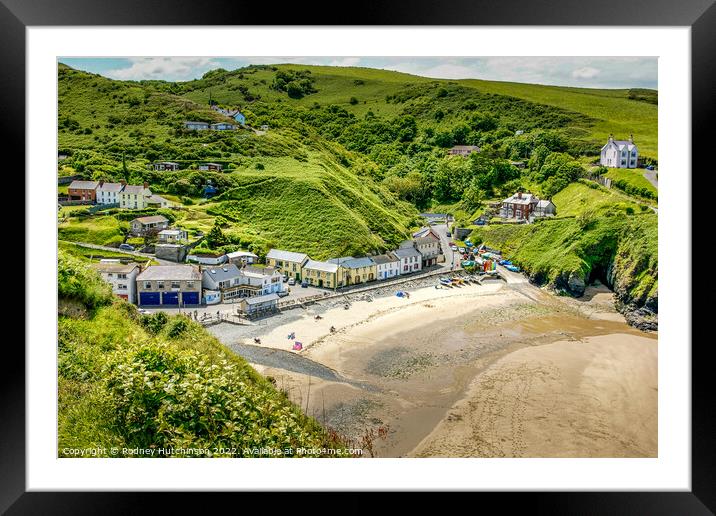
472	197
216	237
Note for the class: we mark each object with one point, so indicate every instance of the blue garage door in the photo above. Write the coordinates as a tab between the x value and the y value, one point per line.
170	298
190	298
149	298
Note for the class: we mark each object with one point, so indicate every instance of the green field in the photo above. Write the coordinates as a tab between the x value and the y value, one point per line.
588	197
633	178
100	230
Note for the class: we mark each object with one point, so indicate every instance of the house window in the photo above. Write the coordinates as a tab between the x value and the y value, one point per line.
160	284
147	284
176	284
121	286
122	276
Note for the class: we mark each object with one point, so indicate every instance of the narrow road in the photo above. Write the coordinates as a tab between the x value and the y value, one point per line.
651	176
116	250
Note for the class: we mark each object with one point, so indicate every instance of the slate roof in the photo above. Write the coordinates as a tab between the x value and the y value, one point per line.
385	258
115	267
222	272
169	272
110	187
84	185
355	263
135	189
406	252
151	219
526	199
321	266
257	300
288	256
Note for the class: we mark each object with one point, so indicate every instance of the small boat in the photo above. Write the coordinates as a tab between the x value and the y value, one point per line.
513	268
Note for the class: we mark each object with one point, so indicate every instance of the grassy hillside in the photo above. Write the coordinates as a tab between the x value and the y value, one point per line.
588	197
617	112
633	182
592	114
288	188
127	380
570	253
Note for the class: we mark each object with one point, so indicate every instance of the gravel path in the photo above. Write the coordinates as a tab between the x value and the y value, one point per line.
281	359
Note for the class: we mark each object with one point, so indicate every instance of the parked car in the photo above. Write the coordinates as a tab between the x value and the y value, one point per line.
304	284
453	247
126	247
282	293
143	311
650	167
448	234
291	281
461	249
480	222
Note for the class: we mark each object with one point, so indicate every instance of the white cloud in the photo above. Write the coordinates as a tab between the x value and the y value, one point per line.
586	72
345	61
166	68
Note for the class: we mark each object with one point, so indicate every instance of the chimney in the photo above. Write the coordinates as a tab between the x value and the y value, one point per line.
519	195
101	182
123	182
631	138
611	137
146	185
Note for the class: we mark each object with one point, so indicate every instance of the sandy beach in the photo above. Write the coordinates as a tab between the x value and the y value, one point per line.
568	375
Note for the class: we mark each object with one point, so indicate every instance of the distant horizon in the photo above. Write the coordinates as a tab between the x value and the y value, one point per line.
574	72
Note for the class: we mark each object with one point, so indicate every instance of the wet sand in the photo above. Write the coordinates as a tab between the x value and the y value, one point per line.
414	366
595	397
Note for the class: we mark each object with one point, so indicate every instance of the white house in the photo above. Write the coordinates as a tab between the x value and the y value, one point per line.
388	265
242	257
172	236
410	259
619	153
134	197
121	276
108	193
268	279
233	282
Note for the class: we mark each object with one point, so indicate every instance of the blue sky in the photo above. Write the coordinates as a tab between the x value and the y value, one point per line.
587	72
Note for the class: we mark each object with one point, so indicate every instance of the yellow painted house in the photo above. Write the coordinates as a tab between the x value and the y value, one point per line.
323	274
357	270
287	262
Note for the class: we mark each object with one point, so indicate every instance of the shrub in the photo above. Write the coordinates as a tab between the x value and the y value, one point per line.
177	327
353	101
154	323
78	282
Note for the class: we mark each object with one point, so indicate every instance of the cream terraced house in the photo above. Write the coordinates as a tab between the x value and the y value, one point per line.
135	197
287	262
108	193
323	274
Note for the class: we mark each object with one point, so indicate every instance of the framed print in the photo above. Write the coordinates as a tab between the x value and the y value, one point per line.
424	248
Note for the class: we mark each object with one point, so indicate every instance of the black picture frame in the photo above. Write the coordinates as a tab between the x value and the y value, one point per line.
700	15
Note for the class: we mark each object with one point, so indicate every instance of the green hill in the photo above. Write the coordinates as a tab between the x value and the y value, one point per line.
127	380
570	253
591	114
289	188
